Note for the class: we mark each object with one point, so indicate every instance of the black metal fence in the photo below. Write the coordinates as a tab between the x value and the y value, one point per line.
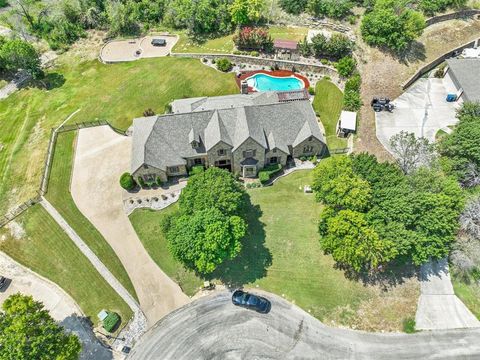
47	166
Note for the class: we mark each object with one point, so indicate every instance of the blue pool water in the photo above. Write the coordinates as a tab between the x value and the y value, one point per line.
264	82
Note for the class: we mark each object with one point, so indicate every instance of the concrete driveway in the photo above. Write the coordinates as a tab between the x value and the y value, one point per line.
213	328
126	50
438	306
60	305
101	157
421	109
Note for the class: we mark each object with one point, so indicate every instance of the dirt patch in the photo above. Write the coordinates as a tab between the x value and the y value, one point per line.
385	311
383	73
16	230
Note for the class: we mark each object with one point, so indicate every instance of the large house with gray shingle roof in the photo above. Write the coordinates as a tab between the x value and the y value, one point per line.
240	133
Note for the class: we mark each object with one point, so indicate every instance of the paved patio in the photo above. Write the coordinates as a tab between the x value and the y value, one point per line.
421	109
126	50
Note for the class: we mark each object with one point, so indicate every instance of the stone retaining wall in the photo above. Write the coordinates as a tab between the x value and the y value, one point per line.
456	15
282	64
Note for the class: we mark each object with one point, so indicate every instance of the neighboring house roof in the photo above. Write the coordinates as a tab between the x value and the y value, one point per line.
348	120
285	44
162	141
465	73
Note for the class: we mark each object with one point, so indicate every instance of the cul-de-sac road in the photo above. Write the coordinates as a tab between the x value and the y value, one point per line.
213	328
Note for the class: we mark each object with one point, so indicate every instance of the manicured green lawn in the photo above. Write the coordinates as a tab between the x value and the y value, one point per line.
47	250
147	226
225	45
59	196
469	294
117	93
281	253
328	104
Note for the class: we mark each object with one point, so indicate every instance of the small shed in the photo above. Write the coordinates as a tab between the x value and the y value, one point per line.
347	124
285	49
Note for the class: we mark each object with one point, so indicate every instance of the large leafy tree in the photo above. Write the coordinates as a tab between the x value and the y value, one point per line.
27	331
246	12
206	238
336	9
293	6
392	24
213	188
354	242
461	148
209	225
384	213
19	54
412	152
336	185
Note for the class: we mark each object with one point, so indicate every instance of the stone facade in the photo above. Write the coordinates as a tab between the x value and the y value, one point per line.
309	147
150	173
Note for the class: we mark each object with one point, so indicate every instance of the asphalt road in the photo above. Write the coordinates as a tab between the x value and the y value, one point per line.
213	328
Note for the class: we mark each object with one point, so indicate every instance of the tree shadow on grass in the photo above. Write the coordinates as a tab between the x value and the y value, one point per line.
49	82
254	258
388	276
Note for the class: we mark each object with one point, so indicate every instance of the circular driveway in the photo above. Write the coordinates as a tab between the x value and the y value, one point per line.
213	328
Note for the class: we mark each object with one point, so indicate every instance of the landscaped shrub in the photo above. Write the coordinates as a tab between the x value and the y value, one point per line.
311	90
224	65
346	66
197	169
127	182
159	181
409	326
111	321
249	38
266	173
149	112
353	83
141	182
351	99
254	53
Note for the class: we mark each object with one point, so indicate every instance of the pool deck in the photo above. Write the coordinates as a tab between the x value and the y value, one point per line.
277	73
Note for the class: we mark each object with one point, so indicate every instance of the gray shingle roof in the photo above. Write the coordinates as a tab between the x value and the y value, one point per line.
223	102
465	73
163	141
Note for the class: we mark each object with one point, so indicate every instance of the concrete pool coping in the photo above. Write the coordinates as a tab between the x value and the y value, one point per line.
273	73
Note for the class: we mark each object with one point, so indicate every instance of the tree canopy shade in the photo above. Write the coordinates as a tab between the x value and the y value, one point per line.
375	213
209	225
214	188
246	12
461	149
353	241
293	6
18	54
336	185
206	238
392	24
27	331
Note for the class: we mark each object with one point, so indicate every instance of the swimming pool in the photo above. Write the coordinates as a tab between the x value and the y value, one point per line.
264	82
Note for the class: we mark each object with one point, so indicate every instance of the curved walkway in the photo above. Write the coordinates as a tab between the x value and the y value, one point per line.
101	156
213	328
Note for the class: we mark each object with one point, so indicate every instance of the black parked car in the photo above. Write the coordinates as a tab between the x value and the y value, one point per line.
251	301
3	282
